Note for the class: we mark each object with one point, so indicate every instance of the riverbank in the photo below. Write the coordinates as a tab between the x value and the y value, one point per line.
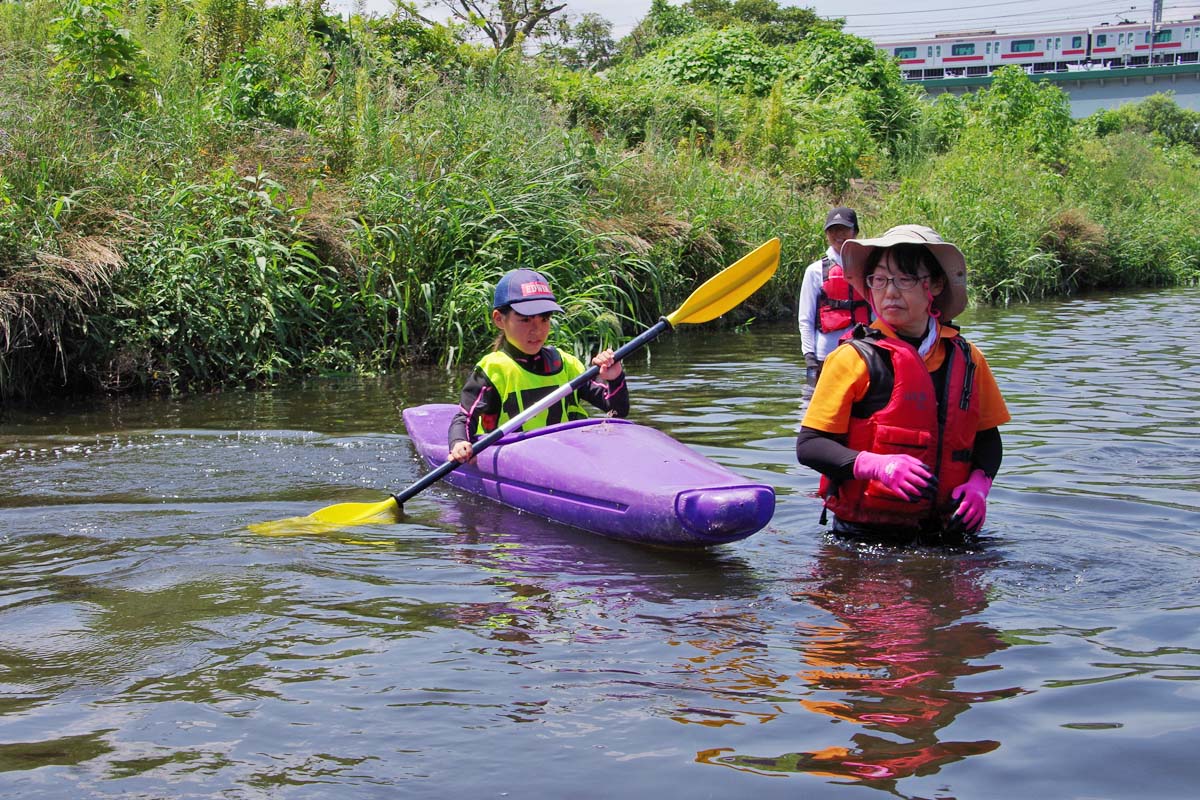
216	204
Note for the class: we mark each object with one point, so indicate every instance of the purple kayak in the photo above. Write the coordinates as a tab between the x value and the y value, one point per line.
608	476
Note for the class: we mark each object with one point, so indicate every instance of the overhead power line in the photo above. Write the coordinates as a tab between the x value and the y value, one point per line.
943	9
1027	23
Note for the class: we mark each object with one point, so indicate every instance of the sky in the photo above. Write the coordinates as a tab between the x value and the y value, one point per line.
881	19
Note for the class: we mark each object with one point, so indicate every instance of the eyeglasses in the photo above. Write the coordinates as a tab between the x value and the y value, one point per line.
901	282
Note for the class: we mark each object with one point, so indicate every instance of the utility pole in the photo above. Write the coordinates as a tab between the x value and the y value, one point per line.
1155	20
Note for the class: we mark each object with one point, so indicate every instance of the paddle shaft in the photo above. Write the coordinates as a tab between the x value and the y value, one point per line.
516	422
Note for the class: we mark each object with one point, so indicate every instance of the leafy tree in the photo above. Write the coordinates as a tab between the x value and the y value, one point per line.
772	23
586	44
776	24
409	40
504	22
596	44
663	23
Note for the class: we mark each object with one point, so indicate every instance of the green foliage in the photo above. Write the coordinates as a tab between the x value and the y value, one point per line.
663	23
1146	201
772	23
309	193
411	51
252	87
1018	113
225	28
997	223
779	25
631	113
830	64
945	119
583	45
94	57
778	131
1158	116
732	58
226	287
834	145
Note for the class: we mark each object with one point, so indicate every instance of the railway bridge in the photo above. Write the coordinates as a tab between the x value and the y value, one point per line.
1093	89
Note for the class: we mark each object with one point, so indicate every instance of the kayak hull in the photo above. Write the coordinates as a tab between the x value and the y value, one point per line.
612	477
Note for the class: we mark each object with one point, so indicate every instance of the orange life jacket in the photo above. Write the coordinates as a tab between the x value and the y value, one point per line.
901	414
838	305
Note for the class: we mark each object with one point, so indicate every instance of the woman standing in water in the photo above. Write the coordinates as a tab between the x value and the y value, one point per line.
903	424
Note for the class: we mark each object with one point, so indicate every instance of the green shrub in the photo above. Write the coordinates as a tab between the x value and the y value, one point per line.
732	58
96	58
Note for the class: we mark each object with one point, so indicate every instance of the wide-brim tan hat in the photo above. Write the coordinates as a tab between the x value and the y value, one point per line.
953	299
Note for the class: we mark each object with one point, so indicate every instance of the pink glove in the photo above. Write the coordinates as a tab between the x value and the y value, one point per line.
901	474
972	501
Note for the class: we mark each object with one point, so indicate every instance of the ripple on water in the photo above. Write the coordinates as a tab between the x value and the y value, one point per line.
151	645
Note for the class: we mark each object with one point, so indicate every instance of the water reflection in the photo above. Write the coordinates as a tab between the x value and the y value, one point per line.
503	541
900	634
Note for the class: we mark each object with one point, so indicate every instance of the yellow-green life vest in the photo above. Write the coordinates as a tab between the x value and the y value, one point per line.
519	389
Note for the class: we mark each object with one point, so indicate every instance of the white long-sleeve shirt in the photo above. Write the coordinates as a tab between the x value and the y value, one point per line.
812	340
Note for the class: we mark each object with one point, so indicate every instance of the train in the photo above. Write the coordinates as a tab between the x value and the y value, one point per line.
1106	46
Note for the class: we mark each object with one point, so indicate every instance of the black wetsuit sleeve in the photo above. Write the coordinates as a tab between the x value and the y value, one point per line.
479	399
823	452
612	397
988	451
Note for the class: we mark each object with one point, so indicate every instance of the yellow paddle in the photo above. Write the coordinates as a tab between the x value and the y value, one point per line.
720	293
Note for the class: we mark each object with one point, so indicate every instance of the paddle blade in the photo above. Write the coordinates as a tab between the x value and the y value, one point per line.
729	287
331	518
358	513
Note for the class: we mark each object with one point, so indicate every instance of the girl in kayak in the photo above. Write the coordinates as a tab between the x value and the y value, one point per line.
903	424
521	369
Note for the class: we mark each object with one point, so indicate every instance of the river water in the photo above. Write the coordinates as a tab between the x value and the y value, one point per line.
152	646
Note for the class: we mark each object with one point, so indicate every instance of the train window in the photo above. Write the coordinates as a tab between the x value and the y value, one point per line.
906	52
1162	36
929	52
1076	41
1057	42
1022	46
967	49
1101	39
939	51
